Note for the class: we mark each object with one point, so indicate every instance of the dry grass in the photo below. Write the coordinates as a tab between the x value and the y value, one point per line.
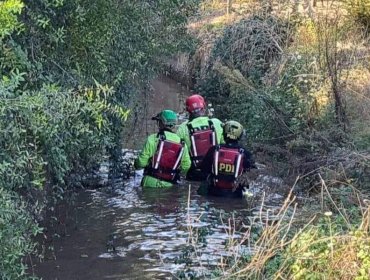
332	247
273	239
345	254
357	98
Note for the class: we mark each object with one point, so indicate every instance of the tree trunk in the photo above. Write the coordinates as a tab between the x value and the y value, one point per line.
331	55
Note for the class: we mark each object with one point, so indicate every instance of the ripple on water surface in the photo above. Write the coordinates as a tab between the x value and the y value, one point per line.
155	228
156	233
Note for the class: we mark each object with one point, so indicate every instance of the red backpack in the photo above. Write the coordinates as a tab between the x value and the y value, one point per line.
227	166
166	160
201	139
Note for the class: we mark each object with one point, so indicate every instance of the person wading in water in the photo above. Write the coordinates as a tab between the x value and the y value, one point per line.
224	163
164	155
200	133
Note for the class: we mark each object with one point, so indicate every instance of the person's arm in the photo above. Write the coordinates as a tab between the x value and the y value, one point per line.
146	153
219	130
185	161
248	162
183	133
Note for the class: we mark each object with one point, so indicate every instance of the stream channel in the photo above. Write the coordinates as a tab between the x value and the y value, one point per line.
121	231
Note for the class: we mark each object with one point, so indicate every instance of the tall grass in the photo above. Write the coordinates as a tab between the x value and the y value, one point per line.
323	239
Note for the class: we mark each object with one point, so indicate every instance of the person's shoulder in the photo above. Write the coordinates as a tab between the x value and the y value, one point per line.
152	137
202	120
184	123
182	126
172	136
216	121
238	146
198	121
241	146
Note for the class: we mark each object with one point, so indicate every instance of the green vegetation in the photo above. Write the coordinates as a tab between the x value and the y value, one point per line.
69	73
360	12
16	229
330	245
298	79
326	238
239	59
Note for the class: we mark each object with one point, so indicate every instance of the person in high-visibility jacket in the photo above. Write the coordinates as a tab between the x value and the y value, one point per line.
225	163
200	133
164	155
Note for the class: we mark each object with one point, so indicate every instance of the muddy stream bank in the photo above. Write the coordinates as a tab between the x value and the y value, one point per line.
124	232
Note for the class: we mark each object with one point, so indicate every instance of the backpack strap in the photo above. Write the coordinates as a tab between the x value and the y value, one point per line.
215	163
238	161
162	137
191	128
193	149
179	156
212	127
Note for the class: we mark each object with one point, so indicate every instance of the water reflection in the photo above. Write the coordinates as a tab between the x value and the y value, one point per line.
130	233
164	230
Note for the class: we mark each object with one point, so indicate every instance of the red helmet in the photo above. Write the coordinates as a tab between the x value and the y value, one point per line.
195	102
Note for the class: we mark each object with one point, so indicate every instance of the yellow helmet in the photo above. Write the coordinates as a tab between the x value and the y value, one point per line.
233	130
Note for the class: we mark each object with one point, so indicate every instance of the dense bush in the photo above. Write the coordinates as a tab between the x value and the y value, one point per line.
252	44
75	43
114	42
249	46
16	230
8	16
67	71
360	11
50	133
263	73
332	245
273	93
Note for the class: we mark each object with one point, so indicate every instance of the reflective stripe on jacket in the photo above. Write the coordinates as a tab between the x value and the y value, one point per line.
150	148
227	166
184	133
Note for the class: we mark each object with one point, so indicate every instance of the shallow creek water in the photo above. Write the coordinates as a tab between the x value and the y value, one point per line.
125	232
